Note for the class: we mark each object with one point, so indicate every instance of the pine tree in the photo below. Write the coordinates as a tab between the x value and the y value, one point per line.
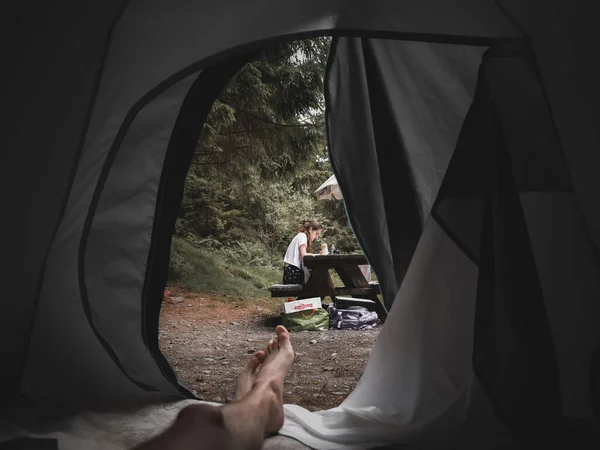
262	152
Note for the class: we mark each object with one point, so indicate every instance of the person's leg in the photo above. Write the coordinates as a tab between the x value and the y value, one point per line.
299	279
328	287
257	410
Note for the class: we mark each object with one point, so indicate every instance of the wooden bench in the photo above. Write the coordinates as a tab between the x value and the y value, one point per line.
296	290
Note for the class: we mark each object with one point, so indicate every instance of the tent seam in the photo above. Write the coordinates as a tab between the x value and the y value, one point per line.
174	150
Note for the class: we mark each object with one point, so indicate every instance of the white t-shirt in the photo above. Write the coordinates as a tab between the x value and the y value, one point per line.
292	255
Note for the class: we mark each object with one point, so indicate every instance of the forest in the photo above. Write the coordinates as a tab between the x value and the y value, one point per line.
261	155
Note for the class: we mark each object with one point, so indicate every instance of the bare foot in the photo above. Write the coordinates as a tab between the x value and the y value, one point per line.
247	376
278	362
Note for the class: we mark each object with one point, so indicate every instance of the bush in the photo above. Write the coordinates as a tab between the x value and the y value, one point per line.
208	270
179	267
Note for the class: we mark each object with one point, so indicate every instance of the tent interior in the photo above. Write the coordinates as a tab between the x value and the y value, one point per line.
464	137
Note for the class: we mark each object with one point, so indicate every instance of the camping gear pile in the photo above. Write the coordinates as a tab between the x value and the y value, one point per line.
351	318
342	314
305	315
349	313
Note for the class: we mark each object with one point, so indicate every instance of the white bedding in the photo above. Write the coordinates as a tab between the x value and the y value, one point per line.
118	430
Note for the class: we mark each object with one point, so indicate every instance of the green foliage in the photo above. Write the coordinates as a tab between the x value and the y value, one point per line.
204	270
261	155
269	120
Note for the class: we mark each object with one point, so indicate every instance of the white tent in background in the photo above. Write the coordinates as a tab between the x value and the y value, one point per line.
330	190
465	135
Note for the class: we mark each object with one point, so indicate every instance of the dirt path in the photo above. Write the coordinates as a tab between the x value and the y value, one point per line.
208	338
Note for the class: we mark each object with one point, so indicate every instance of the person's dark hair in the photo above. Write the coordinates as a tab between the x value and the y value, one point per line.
308	225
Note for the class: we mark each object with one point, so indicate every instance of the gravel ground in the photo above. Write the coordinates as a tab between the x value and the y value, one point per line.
208	338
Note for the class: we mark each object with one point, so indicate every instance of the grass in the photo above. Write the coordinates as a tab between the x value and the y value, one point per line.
204	270
211	271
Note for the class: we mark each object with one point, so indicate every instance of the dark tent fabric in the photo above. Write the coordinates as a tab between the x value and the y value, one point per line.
409	127
57	80
463	134
508	147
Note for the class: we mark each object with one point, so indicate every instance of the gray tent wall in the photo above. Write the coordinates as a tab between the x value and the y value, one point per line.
61	49
146	56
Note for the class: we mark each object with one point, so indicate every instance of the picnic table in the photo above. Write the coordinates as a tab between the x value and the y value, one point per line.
348	269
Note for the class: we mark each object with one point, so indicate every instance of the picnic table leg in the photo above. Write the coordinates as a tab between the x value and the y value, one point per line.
317	280
352	276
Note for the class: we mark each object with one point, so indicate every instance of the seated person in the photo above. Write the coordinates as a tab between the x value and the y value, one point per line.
256	410
301	245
